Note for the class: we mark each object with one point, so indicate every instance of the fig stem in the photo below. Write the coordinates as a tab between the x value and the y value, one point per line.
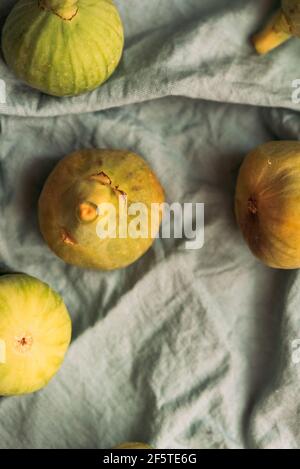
273	35
87	211
65	9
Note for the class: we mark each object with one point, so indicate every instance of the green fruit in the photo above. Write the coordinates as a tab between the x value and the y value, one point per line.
63	47
35	332
69	208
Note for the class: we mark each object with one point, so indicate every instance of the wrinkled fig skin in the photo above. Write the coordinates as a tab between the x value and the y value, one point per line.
63	47
291	10
35	332
68	206
267	203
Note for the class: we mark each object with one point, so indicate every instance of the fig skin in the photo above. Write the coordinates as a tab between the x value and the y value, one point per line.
77	185
291	11
63	47
133	445
267	203
282	26
35	332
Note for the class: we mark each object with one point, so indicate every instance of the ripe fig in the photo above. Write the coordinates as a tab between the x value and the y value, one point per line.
63	47
94	189
35	332
267	203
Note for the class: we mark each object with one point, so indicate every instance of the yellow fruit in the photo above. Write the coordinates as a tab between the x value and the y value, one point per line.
133	446
35	332
267	203
69	208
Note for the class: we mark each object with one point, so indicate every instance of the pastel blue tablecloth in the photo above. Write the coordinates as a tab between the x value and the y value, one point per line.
184	349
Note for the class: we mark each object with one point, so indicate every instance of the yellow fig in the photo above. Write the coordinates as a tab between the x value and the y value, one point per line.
35	332
284	24
267	203
133	445
69	208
